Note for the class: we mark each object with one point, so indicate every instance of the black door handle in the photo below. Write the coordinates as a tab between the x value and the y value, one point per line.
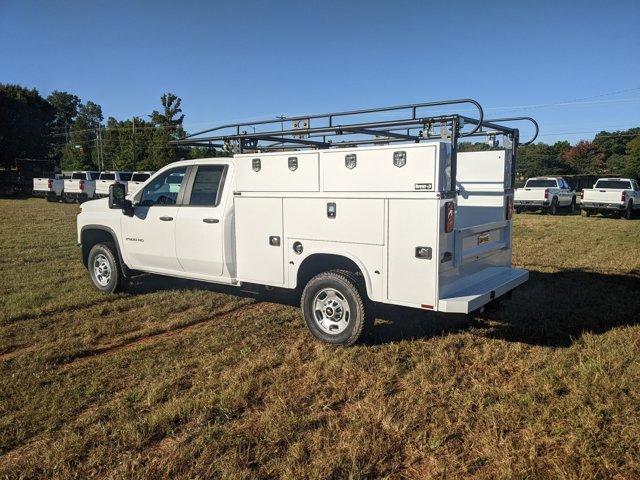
166	219
210	220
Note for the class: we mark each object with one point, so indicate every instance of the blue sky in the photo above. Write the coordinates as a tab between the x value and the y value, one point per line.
245	60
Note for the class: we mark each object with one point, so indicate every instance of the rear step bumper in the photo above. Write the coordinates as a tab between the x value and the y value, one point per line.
492	283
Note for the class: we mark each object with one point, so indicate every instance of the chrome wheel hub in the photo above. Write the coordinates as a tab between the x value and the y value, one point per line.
102	269
331	311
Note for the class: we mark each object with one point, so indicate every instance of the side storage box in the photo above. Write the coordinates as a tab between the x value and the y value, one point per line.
412	274
259	241
277	172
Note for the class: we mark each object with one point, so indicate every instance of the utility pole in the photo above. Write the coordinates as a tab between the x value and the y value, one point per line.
133	128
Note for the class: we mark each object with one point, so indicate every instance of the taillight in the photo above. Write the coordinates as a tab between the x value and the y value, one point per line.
81	184
450	216
509	208
50	184
623	197
546	194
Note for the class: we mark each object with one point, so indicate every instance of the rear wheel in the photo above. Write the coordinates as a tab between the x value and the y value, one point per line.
628	213
104	268
553	209
335	308
586	213
572	205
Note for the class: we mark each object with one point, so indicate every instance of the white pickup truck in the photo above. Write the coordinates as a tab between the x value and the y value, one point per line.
80	187
137	180
106	179
49	188
618	196
345	227
547	194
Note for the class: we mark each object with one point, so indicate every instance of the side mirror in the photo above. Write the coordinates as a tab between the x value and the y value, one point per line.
116	195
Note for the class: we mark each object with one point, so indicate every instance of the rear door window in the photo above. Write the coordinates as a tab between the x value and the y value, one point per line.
206	187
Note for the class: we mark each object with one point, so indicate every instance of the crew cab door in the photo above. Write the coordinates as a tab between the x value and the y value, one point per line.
148	237
200	222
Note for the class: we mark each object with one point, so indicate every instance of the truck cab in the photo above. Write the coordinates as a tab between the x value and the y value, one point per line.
138	179
345	227
106	179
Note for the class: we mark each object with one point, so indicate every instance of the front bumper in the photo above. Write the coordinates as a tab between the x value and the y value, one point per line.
491	283
602	206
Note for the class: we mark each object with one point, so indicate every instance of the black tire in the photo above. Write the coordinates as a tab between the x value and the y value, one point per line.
106	252
51	198
586	213
518	211
351	291
628	213
553	208
572	206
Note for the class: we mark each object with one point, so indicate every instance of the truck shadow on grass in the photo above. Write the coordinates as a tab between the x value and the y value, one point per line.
551	309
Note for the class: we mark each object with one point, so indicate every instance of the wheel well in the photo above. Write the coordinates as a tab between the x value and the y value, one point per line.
92	236
323	262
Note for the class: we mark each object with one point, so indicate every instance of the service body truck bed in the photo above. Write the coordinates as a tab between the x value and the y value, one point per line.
346	226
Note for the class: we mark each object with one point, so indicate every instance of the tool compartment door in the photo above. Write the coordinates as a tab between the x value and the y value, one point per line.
259	240
412	224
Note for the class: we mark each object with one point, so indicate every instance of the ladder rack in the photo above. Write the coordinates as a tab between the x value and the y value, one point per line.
356	128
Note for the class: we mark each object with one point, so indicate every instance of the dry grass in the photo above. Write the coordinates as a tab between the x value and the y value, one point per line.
184	380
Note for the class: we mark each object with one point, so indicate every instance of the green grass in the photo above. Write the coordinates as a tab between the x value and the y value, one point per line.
183	380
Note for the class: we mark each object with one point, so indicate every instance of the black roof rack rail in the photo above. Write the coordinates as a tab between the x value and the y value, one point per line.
353	128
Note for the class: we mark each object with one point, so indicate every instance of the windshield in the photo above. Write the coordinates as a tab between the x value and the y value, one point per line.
107	176
614	184
139	177
540	183
77	176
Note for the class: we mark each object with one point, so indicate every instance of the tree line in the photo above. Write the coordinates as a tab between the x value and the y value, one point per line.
74	133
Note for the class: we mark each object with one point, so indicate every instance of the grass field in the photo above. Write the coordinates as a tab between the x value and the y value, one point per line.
185	380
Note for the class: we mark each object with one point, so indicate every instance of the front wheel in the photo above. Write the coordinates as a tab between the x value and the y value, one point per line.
335	308
104	268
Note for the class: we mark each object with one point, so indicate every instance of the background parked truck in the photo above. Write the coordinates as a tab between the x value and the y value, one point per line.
617	196
81	186
546	194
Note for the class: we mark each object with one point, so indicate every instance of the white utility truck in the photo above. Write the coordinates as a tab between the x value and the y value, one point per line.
106	179
80	187
369	211
617	196
49	188
547	194
137	179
